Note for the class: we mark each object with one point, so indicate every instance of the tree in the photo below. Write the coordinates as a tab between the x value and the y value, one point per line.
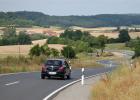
9	31
53	40
137	48
35	51
45	50
68	52
24	38
102	40
73	35
54	52
137	51
80	46
124	36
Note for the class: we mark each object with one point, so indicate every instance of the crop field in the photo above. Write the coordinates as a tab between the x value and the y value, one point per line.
41	30
15	50
56	31
107	31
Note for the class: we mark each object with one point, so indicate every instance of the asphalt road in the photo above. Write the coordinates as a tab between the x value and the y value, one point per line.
29	86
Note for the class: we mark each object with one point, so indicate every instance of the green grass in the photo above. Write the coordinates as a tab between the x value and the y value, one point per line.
117	46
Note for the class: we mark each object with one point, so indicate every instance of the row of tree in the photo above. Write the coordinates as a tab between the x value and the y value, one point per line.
37	50
11	37
78	41
83	41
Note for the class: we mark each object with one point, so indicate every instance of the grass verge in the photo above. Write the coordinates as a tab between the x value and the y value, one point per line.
122	84
24	64
117	46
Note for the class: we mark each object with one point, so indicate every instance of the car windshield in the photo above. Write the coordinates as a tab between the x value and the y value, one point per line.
54	62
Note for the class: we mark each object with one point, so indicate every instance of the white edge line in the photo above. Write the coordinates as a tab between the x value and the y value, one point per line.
17	73
69	84
12	83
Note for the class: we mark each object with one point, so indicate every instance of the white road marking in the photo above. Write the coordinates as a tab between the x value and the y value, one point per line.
69	84
17	73
12	83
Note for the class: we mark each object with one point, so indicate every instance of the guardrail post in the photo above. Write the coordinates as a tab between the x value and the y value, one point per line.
82	77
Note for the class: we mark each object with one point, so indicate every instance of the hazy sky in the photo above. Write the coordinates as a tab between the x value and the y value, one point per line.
72	7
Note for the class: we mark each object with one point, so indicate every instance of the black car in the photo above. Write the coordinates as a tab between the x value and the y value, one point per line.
56	68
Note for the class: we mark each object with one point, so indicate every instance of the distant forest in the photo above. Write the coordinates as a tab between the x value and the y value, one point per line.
28	19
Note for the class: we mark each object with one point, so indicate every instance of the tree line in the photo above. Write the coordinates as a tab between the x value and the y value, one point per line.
11	37
29	19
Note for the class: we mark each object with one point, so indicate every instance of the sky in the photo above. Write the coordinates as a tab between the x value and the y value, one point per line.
73	7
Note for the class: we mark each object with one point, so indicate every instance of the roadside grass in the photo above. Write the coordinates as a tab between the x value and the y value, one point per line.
13	64
90	60
117	46
121	84
20	63
84	63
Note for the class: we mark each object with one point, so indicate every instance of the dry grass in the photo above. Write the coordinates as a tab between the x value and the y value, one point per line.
20	64
23	64
86	63
123	84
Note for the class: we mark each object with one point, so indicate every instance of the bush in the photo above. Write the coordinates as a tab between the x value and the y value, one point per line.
68	52
54	52
35	51
37	36
24	38
124	36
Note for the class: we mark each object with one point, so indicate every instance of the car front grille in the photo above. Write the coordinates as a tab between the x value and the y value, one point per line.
52	68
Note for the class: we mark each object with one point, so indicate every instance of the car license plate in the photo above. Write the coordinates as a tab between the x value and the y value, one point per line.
52	73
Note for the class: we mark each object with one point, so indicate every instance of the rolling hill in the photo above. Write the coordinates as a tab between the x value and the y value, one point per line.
28	19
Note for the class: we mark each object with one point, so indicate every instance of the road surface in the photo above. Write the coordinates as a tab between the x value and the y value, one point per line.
29	86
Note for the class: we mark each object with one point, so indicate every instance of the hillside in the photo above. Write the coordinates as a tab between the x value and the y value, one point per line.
27	19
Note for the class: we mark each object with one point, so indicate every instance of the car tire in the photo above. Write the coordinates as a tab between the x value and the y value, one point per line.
49	77
64	77
42	76
69	76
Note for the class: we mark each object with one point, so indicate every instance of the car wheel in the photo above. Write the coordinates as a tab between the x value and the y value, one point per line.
49	77
69	76
42	76
64	77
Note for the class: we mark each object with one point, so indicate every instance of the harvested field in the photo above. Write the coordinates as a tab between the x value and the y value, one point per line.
40	42
15	50
107	31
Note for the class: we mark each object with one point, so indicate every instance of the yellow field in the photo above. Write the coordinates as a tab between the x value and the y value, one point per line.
56	31
107	31
41	30
24	49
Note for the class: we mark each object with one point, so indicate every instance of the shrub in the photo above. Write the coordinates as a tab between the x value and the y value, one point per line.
68	52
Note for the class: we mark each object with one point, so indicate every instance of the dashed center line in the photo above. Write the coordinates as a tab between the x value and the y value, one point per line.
12	83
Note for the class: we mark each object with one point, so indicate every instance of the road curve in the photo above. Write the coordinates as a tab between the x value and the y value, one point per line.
29	86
